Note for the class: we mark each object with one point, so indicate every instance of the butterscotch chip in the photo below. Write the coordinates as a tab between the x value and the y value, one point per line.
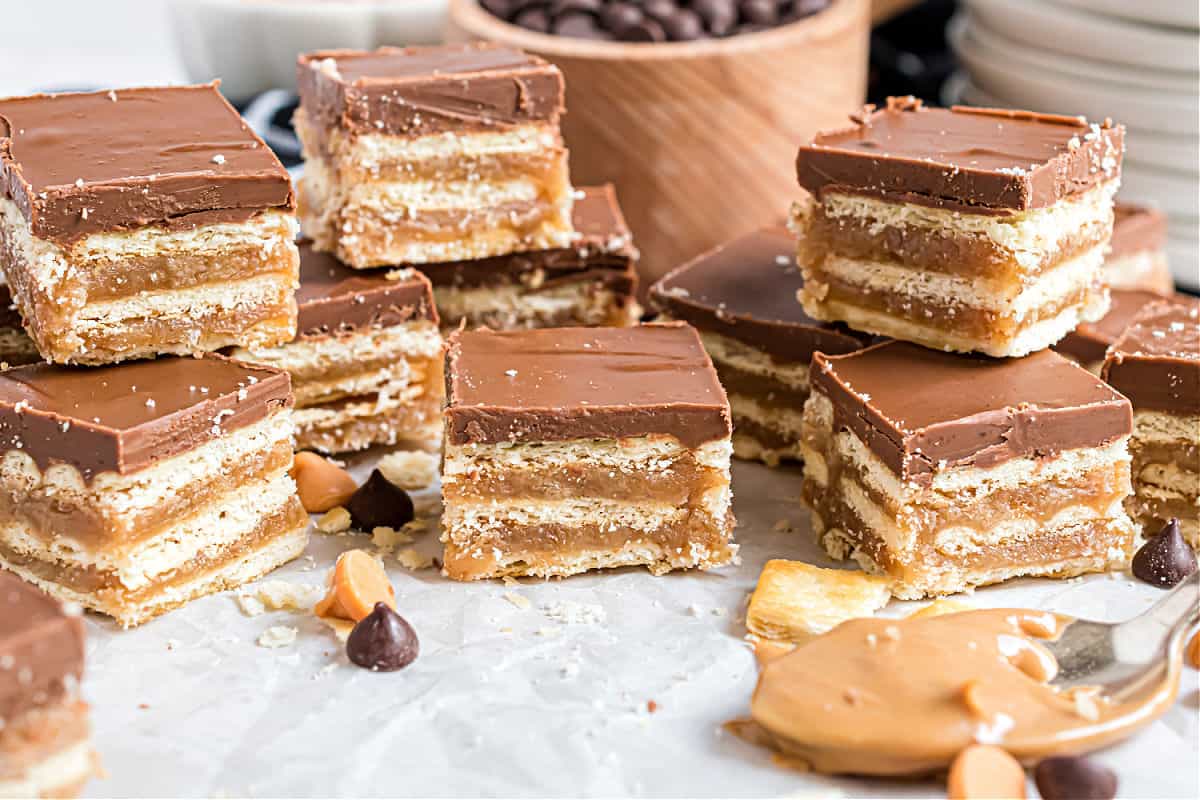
321	484
983	771
359	582
794	601
1193	651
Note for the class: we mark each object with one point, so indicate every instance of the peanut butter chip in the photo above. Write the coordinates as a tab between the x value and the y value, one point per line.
983	771
321	484
359	582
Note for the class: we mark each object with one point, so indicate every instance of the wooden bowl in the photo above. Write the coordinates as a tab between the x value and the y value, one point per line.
700	138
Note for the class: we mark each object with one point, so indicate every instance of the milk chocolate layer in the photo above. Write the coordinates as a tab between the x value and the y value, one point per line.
1088	343
125	417
180	157
604	249
582	383
1156	361
333	298
41	648
746	290
970	158
416	91
1137	229
921	411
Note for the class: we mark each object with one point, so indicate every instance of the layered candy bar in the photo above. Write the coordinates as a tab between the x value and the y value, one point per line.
571	449
366	366
431	154
1088	343
45	731
943	472
139	222
1136	256
1156	364
741	297
959	229
590	282
134	488
16	348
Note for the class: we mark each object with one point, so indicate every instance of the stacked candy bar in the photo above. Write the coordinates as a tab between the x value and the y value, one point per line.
1136	256
984	232
137	226
426	155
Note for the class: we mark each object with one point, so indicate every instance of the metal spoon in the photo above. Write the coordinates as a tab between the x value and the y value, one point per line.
1126	659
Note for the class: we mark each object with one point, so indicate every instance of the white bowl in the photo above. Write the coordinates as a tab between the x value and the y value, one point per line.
252	44
1072	32
1179	13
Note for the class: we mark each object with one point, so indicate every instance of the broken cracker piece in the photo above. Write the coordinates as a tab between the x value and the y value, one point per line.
794	601
335	520
389	539
409	558
518	600
277	636
409	469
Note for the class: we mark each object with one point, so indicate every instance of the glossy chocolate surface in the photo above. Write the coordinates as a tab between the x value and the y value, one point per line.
422	90
77	164
968	158
1137	229
126	417
582	383
333	298
923	411
41	648
1156	361
746	290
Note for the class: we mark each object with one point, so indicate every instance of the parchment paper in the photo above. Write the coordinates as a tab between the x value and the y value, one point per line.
510	702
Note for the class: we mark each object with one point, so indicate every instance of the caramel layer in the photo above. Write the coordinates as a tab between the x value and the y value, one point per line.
681	483
52	514
547	165
417	423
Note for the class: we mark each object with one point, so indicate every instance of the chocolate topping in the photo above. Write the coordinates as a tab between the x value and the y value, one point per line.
126	417
604	247
1137	229
746	290
41	648
922	411
582	383
974	158
422	90
1156	362
333	298
1088	343
179	157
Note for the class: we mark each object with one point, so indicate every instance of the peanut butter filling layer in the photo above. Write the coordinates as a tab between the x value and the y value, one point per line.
547	167
567	303
345	429
51	513
904	697
105	589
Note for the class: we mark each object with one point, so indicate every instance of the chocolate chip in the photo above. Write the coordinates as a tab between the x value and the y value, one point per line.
645	31
806	8
1074	778
559	8
380	503
500	8
1165	559
719	15
683	26
580	25
759	12
616	16
382	641
659	10
534	19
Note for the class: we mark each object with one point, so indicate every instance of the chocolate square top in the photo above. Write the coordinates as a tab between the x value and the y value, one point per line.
414	91
181	156
923	411
965	158
746	290
41	648
126	417
333	298
1137	229
583	383
603	249
1088	342
1156	361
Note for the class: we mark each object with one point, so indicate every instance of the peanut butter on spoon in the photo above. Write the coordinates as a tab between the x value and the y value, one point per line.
904	696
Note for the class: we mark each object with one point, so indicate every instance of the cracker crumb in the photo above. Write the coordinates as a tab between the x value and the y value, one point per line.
388	539
277	636
335	520
218	159
518	600
571	612
409	558
409	469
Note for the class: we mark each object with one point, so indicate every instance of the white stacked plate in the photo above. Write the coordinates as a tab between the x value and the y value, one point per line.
1135	62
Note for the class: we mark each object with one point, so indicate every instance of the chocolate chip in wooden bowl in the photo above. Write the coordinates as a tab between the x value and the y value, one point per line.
1074	778
382	641
1165	559
719	16
379	503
